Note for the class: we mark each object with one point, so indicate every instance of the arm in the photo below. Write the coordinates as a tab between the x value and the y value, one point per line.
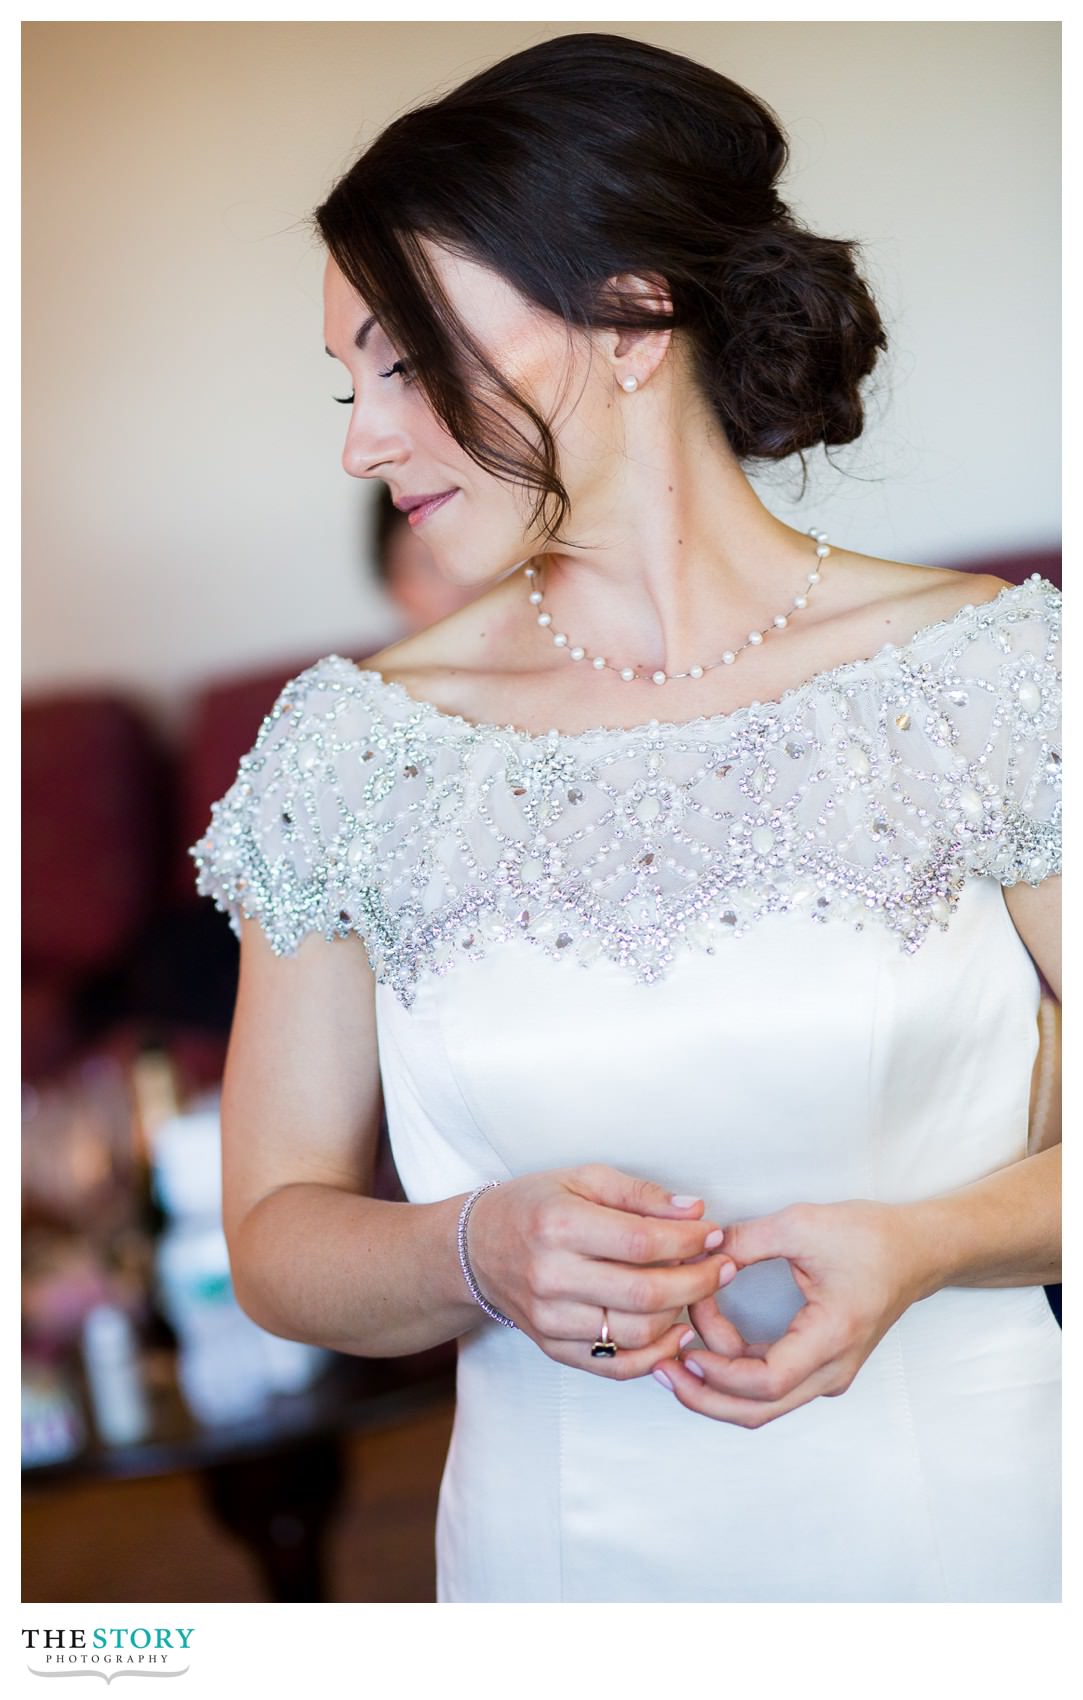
1045	1090
1004	1230
313	1258
1001	1231
860	1264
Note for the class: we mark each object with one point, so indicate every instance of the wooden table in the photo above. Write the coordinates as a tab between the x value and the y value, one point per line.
274	1481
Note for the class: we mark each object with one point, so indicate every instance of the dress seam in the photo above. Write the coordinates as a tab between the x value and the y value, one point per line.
908	1412
498	1169
872	1153
871	1144
560	1478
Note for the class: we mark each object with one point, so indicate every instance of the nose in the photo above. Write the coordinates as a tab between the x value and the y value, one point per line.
370	448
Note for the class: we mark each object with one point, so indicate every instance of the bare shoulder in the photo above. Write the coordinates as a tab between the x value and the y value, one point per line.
458	646
866	602
908	597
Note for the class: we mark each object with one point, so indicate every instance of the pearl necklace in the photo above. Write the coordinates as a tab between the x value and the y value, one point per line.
728	657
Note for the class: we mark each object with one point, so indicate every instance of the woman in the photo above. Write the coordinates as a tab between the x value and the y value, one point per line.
683	893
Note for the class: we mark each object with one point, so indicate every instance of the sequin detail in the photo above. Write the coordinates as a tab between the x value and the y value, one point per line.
869	793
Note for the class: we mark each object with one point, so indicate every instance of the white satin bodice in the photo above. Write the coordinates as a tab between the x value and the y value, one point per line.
812	1064
797	1063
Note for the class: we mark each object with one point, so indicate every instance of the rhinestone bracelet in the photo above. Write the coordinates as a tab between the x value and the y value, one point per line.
465	1261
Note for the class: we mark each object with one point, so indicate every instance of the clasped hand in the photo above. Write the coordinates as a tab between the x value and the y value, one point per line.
554	1247
854	1268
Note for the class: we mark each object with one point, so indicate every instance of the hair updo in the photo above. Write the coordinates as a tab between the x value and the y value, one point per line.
580	158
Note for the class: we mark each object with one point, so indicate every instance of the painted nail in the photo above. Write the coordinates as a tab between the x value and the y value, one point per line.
694	1367
724	1274
682	1200
660	1375
715	1237
689	1334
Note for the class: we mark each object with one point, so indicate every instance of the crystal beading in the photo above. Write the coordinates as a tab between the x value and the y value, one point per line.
870	792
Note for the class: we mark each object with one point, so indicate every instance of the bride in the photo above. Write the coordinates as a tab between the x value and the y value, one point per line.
682	895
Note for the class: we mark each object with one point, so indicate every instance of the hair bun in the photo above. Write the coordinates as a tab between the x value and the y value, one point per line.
790	331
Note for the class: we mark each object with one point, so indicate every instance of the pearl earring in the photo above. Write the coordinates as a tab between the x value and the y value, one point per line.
630	383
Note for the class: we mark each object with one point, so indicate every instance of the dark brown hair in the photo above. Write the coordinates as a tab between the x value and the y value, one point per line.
580	158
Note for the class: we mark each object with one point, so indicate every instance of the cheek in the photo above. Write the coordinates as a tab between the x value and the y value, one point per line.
537	361
572	396
552	382
425	428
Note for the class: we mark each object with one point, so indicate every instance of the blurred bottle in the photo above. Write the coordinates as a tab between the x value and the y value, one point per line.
227	1366
111	1361
155	1098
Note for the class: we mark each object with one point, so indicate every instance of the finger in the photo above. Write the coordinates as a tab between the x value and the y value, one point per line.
716	1330
638	1290
601	1183
571	1321
701	1397
627	1363
761	1237
809	1346
594	1229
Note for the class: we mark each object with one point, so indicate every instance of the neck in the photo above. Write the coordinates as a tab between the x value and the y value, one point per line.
682	564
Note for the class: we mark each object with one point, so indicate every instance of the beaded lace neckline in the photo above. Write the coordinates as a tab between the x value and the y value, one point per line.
871	791
824	679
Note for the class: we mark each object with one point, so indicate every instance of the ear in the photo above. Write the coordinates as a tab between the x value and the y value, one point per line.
641	289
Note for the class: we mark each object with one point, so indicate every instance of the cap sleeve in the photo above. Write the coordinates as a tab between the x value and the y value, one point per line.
265	852
1010	726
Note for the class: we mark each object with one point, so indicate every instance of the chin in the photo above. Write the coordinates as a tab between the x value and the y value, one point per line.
522	555
475	574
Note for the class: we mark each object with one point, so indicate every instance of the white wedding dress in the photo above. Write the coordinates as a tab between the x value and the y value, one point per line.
761	957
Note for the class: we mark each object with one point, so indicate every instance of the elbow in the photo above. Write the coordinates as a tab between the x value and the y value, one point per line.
253	1289
247	1292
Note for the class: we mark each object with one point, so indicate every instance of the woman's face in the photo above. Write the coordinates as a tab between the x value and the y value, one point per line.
480	532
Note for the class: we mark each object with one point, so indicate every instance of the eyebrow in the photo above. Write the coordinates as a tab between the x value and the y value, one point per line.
361	337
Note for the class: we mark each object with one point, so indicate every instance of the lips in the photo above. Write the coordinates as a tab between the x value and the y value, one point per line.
418	508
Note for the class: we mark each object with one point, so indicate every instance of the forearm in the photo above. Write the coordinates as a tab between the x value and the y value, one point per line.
1001	1231
361	1275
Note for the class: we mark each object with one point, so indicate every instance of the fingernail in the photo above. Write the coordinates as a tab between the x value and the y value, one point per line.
684	1339
726	1271
660	1375
715	1237
682	1200
694	1367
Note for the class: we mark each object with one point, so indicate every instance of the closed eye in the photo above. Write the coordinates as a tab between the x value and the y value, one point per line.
401	368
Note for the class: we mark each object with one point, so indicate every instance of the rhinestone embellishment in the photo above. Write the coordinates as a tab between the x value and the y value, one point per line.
361	810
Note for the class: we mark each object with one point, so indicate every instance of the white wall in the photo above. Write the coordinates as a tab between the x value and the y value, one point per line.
185	508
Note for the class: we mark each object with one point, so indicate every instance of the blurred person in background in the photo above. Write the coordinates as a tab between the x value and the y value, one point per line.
407	571
683	894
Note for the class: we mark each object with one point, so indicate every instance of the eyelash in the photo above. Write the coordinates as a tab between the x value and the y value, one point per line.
402	367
